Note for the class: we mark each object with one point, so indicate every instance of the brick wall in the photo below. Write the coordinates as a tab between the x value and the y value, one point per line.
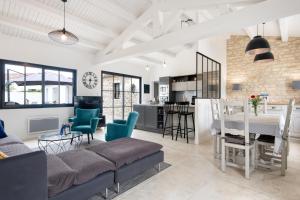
275	78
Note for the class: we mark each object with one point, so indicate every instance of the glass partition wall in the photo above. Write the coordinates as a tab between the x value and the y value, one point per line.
208	77
120	92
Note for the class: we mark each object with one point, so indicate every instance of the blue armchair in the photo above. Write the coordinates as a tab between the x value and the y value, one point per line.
121	128
85	121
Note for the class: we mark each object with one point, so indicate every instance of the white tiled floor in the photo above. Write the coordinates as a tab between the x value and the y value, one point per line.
195	175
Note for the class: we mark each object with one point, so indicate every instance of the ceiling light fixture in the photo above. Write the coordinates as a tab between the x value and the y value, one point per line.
147	68
164	64
264	57
258	44
63	36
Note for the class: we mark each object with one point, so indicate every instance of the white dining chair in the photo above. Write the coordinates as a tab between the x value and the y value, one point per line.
215	110
265	145
237	139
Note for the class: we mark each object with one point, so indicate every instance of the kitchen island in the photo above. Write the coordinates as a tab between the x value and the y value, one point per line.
152	117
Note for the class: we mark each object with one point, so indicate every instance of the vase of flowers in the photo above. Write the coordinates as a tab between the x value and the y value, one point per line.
255	100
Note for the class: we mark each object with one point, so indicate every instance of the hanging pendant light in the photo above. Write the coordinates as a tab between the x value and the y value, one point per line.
258	44
63	36
264	57
164	64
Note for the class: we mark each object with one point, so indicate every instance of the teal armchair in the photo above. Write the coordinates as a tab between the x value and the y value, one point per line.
85	121
121	128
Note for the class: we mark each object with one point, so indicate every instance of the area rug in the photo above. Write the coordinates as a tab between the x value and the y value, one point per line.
132	183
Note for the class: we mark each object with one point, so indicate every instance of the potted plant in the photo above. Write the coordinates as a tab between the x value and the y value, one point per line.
255	100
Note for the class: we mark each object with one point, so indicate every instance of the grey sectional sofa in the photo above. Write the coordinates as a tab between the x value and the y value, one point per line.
75	174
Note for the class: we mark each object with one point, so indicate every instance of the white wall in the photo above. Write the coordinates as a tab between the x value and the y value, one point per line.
47	54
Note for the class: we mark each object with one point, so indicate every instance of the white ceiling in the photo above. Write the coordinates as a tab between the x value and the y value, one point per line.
107	26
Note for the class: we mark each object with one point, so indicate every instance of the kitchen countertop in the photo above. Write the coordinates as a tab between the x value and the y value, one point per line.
158	105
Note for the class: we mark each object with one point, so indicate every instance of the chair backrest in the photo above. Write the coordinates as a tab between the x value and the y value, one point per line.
215	109
243	117
84	116
183	106
131	122
288	117
169	106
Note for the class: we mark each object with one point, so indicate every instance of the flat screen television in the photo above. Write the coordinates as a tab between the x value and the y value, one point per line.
88	102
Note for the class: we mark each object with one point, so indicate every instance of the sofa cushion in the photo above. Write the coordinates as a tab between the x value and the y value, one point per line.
10	139
60	175
2	132
87	164
15	149
125	150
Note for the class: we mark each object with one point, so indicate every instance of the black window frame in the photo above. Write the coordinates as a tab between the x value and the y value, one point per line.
40	66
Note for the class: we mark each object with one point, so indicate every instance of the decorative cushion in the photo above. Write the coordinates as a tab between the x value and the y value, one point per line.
125	150
15	149
10	139
2	132
3	155
87	164
60	175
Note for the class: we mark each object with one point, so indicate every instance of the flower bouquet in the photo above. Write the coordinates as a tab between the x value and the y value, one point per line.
255	100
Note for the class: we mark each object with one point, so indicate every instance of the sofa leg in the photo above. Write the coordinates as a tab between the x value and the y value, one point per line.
88	138
118	187
158	167
106	193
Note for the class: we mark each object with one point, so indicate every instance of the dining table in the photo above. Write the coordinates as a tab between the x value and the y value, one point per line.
262	124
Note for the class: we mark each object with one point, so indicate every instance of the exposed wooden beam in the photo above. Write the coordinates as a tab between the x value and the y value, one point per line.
128	33
44	9
168	5
113	8
26	26
246	17
284	29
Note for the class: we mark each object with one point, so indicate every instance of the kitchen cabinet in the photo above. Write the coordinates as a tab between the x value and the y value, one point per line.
191	85
184	86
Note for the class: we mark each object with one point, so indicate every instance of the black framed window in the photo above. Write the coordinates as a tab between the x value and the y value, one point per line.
26	85
120	92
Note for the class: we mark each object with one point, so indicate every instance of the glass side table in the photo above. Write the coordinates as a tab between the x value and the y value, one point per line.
53	142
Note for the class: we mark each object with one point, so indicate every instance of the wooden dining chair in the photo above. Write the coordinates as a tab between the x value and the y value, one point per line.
215	111
265	145
238	139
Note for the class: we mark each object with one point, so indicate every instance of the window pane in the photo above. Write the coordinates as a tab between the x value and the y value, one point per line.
118	113
119	102
127	100
51	87
66	87
108	112
107	82
127	84
135	98
135	87
33	85
107	98
127	110
14	84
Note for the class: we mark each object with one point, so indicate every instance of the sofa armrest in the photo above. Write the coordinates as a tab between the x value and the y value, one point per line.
120	121
94	123
115	131
72	119
24	177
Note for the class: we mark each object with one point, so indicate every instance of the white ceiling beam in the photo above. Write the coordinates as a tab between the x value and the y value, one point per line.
14	23
44	9
128	33
168	5
284	29
246	17
113	8
170	22
149	60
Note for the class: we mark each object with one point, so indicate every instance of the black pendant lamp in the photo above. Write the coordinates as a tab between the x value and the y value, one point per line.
63	36
264	57
258	45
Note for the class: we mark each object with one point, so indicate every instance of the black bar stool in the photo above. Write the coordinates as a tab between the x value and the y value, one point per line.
169	110
183	111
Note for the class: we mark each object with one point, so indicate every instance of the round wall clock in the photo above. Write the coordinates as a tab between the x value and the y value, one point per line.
90	80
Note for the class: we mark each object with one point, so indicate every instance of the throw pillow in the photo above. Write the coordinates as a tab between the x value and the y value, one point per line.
2	132
3	155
